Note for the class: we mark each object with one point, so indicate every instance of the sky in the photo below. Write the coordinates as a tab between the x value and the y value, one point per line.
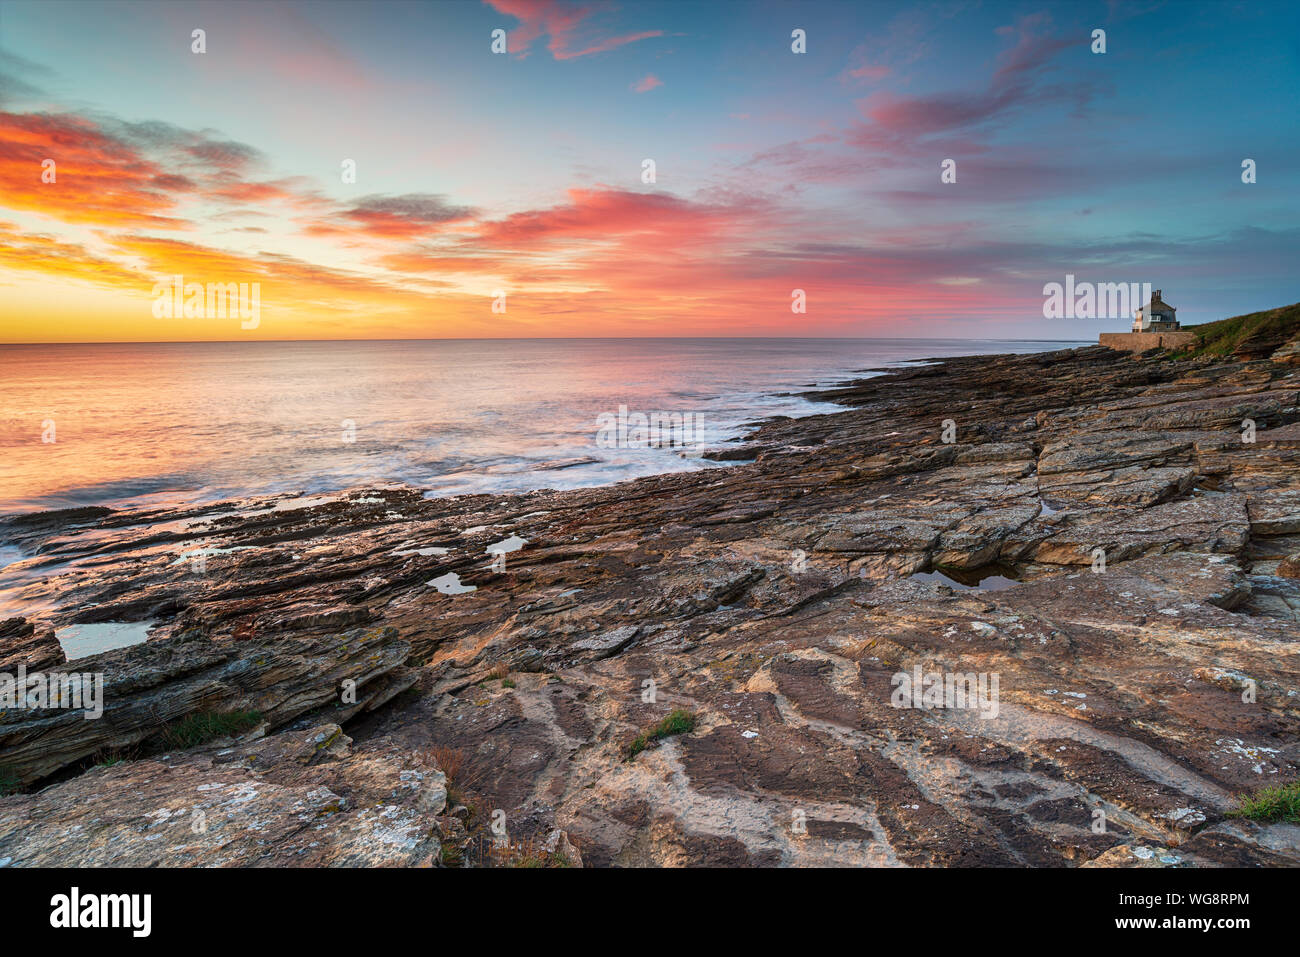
522	172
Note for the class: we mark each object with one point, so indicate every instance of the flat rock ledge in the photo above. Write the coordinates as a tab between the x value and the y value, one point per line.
149	686
1097	536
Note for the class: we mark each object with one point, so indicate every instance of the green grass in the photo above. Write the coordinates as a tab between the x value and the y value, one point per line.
507	682
451	855
9	783
541	859
207	725
1280	802
1257	333
678	721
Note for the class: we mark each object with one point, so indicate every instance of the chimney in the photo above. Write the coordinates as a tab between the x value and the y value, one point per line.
1157	296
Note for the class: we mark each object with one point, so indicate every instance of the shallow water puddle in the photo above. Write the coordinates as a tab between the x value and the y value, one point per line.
291	504
82	641
430	550
449	584
987	578
209	552
511	544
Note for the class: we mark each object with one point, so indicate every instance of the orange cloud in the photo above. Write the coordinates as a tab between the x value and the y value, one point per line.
56	260
98	178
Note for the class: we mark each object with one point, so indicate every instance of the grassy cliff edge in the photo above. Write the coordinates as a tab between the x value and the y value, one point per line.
1254	335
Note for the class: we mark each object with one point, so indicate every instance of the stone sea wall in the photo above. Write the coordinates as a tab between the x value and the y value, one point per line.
1142	341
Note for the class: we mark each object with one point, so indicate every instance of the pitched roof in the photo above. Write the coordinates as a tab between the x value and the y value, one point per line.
1157	305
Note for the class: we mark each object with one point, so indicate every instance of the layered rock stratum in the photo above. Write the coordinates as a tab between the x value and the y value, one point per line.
1143	626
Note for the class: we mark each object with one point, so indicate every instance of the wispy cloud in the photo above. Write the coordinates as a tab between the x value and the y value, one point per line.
1012	87
568	26
393	217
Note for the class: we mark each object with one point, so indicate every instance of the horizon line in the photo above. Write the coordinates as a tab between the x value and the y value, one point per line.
181	342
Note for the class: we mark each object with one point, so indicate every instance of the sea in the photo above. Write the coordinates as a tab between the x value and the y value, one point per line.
157	424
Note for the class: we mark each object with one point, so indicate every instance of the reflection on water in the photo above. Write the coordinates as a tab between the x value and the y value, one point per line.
82	641
166	423
986	578
449	584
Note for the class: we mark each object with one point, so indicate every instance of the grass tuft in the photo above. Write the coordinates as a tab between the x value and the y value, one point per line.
528	854
677	722
1280	802
452	856
9	783
449	760
460	780
196	729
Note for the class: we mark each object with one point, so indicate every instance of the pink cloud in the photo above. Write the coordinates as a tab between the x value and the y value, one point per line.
605	212
1013	85
602	45
870	73
562	22
647	83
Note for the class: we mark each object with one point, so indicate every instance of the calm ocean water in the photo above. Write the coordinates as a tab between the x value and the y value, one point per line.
183	422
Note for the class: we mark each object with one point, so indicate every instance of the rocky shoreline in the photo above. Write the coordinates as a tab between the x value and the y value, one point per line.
1096	534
